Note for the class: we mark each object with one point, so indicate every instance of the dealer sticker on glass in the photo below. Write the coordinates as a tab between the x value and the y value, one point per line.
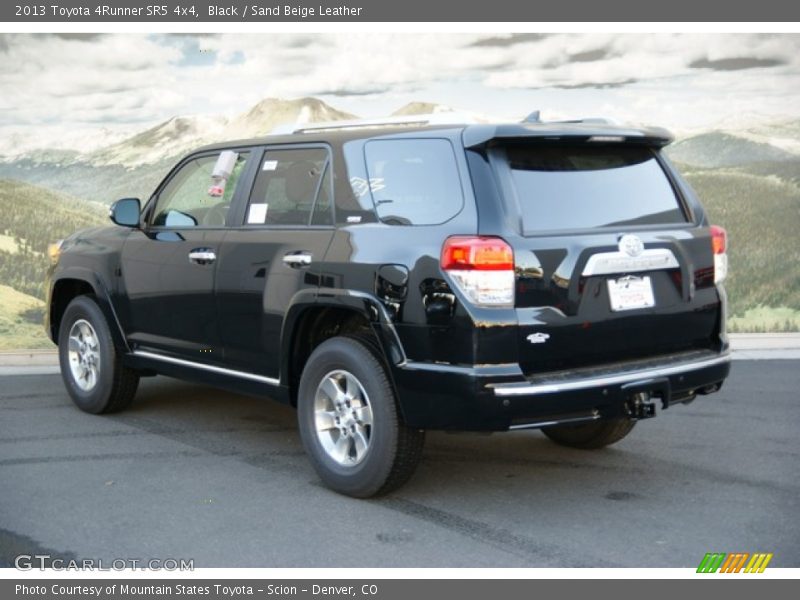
628	293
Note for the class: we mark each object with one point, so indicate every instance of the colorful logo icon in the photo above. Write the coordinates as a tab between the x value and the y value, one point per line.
714	562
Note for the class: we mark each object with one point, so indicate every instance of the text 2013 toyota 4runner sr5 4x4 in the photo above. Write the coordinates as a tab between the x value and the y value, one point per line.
389	279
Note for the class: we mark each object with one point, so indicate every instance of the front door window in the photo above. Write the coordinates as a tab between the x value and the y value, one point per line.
200	193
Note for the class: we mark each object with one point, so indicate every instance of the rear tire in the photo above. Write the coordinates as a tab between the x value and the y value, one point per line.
91	365
590	436
350	423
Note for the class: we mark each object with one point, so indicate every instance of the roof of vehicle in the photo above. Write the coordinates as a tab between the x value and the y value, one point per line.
332	136
474	135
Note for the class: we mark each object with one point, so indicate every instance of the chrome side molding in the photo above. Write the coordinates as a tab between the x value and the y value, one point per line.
204	367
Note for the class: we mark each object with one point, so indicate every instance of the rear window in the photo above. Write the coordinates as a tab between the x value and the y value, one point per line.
579	187
413	182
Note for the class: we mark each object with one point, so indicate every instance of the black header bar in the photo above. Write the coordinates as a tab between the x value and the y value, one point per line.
363	11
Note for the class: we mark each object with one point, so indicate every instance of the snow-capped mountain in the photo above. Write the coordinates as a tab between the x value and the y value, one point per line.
172	137
133	166
432	108
61	141
731	149
165	140
181	134
780	133
271	112
136	163
421	108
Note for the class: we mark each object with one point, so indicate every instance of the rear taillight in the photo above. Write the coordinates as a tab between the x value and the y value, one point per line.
482	267
719	245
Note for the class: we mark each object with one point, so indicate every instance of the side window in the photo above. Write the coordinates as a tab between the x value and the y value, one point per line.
321	214
200	193
413	182
292	188
353	200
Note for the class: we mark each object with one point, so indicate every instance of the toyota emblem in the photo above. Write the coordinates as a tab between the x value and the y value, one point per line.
632	245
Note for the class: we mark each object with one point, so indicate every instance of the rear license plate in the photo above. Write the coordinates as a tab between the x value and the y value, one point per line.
629	293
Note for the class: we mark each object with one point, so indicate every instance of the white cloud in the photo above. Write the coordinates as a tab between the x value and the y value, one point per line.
122	79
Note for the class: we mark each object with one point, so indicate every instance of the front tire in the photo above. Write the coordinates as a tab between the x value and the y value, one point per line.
590	436
91	365
349	420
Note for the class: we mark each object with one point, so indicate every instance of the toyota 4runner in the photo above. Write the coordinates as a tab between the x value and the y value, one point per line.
390	278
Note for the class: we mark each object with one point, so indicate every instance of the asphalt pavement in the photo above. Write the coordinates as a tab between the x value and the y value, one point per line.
189	472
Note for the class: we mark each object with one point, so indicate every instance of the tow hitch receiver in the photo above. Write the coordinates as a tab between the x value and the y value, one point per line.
640	404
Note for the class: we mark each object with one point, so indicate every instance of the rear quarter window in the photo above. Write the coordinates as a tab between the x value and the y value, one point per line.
564	187
413	181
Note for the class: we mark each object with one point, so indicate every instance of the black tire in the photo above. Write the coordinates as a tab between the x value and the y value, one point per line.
115	385
590	436
394	450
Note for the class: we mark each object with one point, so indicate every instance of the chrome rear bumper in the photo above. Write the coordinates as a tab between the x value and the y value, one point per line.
574	381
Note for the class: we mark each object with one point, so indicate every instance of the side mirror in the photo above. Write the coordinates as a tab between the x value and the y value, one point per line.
125	212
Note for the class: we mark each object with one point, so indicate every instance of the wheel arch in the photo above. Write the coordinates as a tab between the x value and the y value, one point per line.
315	317
80	282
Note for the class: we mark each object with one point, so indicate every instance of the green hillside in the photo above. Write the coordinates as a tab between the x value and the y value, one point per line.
718	149
21	321
786	169
762	216
32	217
103	184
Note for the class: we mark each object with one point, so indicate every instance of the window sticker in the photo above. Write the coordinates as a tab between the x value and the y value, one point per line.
361	186
257	214
269	165
225	164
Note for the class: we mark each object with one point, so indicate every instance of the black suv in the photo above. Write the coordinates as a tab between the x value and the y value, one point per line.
391	278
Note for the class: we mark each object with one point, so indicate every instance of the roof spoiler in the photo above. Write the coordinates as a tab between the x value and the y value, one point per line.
582	131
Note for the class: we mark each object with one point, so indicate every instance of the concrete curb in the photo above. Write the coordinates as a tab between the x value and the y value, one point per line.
765	341
28	358
746	346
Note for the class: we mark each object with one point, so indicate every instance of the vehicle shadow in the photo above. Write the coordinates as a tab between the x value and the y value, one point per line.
264	433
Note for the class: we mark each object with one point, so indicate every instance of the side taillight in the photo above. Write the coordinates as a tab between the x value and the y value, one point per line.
482	267
719	245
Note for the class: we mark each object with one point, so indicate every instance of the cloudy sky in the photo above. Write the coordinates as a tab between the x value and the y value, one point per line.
70	86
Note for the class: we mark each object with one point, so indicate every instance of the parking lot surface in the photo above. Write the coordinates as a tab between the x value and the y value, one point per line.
190	472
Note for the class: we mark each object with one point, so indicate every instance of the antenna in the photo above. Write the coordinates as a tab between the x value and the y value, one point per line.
534	117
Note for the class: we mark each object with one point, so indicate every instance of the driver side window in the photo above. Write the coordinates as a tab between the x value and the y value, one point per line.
200	193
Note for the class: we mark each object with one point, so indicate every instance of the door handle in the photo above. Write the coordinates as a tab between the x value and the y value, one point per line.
297	259
203	256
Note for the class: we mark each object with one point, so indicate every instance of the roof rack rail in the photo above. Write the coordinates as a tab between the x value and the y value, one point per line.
441	118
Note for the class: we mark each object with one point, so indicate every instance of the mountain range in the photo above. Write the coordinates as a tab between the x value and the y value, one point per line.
721	149
733	145
133	166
